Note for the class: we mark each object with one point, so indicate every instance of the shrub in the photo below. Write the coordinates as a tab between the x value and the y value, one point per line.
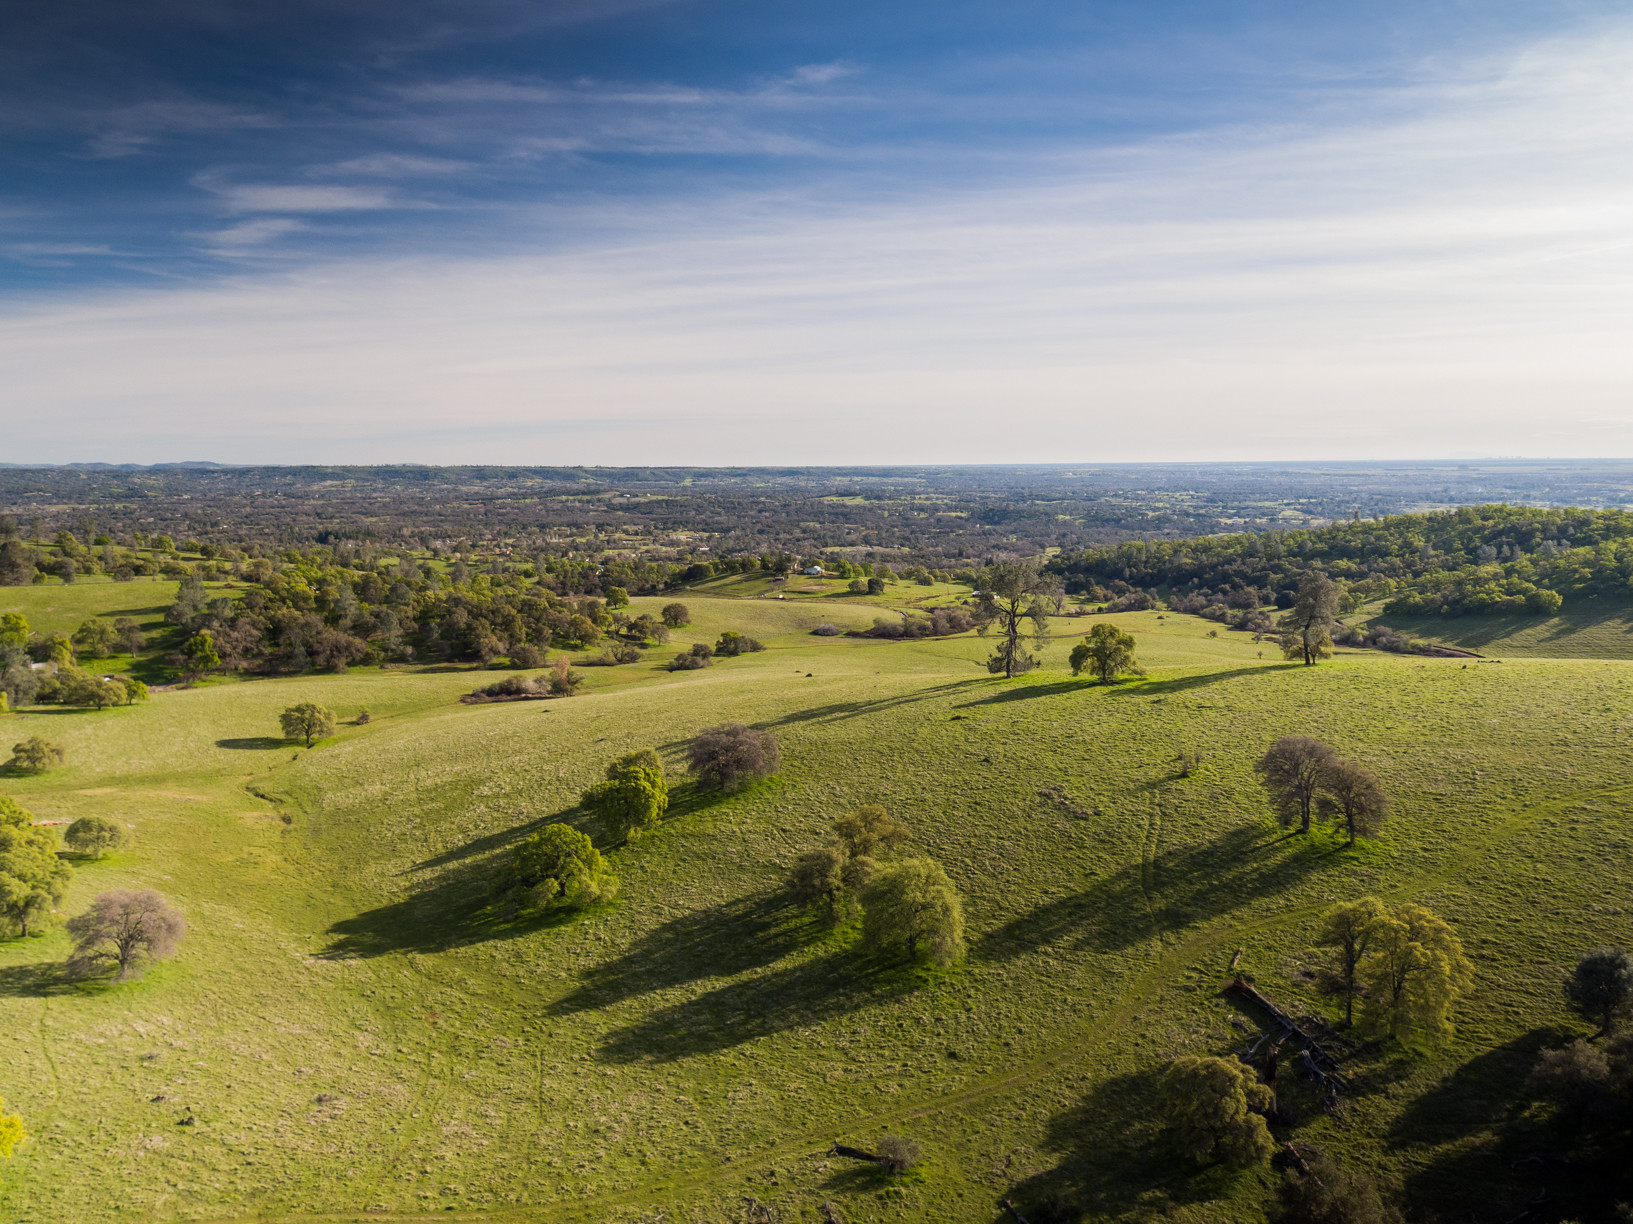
35	755
526	657
675	615
700	655
564	681
1578	1080
515	686
898	1155
826	630
732	754
95	836
616	654
732	644
124	928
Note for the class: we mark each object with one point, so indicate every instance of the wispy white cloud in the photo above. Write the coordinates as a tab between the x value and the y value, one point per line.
298	197
128	130
249	236
1453	275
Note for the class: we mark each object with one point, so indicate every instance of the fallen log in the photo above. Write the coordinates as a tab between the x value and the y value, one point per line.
1010	1207
839	1149
1313	1052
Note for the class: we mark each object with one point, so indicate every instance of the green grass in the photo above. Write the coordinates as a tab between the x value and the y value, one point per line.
1584	629
55	607
694	1044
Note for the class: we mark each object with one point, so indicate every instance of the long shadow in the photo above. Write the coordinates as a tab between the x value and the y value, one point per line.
1185	885
1583	1174
501	839
840	711
253	742
812	991
724	939
1115	1158
38	980
451	911
1181	684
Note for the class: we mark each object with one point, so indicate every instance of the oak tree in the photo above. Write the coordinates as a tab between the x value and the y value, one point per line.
308	721
912	905
122	929
1291	771
1215	1108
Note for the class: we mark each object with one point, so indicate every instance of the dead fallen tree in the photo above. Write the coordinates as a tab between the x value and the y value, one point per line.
1316	1063
895	1154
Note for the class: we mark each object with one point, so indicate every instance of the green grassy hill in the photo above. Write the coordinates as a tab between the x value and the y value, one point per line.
1584	629
357	1042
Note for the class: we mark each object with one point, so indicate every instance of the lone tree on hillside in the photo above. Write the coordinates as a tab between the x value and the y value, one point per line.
558	866
911	904
94	836
33	880
633	796
1108	652
870	831
675	615
307	720
1214	1107
1415	970
124	928
35	755
1306	629
733	754
1601	988
1292	771
1348	928
1013	592
1353	799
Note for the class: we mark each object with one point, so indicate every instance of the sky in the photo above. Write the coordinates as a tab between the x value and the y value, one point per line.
668	231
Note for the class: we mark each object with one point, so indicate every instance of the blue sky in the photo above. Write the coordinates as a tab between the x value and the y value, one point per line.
605	232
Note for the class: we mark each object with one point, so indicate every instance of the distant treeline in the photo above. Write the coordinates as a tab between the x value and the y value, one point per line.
1478	559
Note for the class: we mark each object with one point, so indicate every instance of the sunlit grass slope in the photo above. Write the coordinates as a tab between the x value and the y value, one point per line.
356	1040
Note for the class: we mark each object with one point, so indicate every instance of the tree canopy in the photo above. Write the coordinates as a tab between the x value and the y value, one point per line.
559	867
95	835
1214	1106
1601	987
1291	771
33	880
732	754
308	721
1107	651
1012	593
911	904
35	755
1352	799
1414	971
633	796
122	930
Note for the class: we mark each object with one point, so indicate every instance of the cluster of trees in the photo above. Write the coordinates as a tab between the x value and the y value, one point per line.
700	654
938	622
906	903
35	755
561	681
118	932
1405	965
63	681
1305	777
1489	558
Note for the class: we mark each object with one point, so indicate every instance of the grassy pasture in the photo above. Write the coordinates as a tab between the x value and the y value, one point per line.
55	607
1584	629
356	1040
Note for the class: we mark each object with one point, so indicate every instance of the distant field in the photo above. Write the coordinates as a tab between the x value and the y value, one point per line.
696	1046
53	607
1584	629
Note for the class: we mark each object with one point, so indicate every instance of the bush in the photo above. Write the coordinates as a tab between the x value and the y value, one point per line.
35	755
515	687
1329	1194
700	655
826	630
526	657
898	1155
564	681
95	836
733	754
616	654
732	644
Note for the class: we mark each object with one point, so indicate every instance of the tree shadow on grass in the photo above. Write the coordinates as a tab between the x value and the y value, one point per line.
37	980
255	742
1473	1139
1116	1158
724	939
1181	886
450	911
840	711
811	991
